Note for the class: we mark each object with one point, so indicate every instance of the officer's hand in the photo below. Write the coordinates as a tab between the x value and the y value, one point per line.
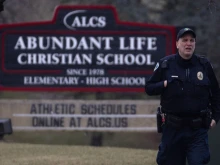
165	83
213	123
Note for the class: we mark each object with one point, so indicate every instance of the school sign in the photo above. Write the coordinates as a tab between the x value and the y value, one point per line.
83	48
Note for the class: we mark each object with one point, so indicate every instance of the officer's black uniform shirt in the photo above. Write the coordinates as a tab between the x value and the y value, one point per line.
192	86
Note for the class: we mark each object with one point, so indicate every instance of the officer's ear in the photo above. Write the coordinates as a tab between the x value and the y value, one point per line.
177	44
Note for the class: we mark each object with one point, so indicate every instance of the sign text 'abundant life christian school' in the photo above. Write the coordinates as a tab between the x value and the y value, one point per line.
83	48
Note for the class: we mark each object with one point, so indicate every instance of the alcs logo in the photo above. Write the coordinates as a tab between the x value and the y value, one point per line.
75	19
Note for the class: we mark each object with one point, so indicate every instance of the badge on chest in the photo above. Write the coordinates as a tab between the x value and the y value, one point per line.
200	75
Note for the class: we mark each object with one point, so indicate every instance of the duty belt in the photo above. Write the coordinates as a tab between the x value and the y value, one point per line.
178	122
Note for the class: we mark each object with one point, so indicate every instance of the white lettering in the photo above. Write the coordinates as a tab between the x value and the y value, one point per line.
54	59
151	43
129	81
97	80
137	43
124	59
20	44
80	72
31	43
71	21
63	43
41	80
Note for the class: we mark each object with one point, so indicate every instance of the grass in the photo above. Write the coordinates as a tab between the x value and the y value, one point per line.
148	140
39	154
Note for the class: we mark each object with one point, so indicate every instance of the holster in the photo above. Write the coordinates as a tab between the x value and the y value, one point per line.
159	120
206	117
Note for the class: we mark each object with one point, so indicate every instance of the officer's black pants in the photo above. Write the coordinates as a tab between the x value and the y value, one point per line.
177	146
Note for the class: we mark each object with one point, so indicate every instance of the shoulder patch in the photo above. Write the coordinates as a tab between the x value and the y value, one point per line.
164	64
157	66
202	59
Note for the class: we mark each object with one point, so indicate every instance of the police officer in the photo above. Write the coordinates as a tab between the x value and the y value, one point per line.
190	99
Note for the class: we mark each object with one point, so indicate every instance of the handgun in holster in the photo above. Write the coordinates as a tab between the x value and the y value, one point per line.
160	120
206	115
